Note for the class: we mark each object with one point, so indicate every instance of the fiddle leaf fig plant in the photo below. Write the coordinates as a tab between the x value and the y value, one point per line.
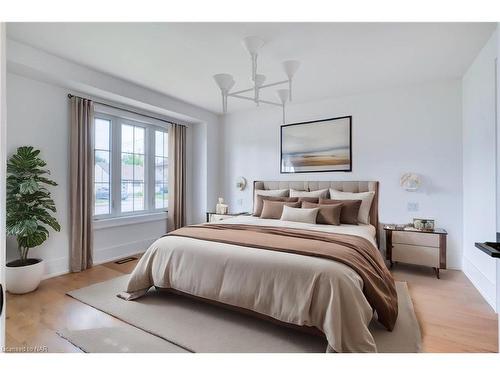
29	204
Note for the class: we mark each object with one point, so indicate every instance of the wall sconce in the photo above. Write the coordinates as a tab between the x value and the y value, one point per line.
241	183
410	181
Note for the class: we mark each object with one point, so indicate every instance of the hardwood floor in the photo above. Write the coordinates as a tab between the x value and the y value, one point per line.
452	314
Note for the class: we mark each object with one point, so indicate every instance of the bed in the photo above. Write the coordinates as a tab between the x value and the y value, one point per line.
325	278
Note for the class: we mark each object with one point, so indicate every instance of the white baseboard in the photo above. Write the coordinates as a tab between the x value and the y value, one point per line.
60	266
56	267
485	287
112	253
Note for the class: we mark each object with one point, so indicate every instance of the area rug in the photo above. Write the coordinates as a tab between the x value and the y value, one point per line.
165	322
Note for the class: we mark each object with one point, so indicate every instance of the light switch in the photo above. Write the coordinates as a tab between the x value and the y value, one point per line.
412	206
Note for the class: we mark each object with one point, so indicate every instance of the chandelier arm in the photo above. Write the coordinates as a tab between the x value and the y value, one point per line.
261	87
252	99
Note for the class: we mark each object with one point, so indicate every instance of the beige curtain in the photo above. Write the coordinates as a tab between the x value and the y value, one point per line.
176	177
81	184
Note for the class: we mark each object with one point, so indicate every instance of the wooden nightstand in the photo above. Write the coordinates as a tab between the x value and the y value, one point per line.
213	217
416	247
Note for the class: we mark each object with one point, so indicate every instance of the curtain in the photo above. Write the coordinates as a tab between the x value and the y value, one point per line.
176	177
82	183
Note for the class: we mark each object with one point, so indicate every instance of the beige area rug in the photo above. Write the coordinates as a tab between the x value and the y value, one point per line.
168	323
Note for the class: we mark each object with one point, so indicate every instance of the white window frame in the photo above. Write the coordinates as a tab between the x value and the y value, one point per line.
117	118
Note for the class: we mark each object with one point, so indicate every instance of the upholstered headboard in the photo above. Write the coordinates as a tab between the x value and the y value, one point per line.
349	186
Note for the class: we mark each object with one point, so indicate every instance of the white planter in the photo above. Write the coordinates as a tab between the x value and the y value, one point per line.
24	279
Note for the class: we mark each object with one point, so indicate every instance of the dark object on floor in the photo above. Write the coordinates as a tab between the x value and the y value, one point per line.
125	260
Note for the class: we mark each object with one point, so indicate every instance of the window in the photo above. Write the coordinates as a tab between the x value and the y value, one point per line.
131	166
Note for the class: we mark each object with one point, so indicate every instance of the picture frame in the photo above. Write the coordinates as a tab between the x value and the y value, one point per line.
316	146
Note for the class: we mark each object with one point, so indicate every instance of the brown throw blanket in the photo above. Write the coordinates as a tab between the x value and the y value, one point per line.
353	251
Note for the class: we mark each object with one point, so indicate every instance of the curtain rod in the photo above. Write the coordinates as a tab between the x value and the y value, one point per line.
124	109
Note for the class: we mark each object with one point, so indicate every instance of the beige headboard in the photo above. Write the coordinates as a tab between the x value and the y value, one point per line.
349	186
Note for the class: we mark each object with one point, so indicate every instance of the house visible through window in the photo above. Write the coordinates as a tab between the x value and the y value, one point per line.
131	166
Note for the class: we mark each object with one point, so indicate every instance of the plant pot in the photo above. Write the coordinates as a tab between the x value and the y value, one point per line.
21	278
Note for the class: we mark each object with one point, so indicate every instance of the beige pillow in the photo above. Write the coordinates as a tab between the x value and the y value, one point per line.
366	202
301	215
273	210
312	194
275	199
328	213
257	202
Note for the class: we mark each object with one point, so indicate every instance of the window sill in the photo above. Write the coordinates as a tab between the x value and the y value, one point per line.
128	220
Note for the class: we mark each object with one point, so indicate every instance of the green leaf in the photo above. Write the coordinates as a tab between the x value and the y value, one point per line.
29	203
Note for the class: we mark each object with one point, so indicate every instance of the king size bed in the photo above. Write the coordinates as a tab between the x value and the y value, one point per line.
329	279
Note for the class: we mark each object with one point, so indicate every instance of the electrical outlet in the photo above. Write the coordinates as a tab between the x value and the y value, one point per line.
412	206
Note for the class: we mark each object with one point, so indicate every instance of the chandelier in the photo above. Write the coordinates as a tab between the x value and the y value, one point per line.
225	81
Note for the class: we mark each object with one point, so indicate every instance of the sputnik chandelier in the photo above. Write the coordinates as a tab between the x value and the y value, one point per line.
225	81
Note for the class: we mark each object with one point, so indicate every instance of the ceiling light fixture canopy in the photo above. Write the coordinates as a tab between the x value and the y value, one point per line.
253	44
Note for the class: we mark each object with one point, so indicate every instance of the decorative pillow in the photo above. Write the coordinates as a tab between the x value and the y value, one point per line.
301	215
308	199
257	202
328	213
274	199
349	211
366	202
312	194
273	210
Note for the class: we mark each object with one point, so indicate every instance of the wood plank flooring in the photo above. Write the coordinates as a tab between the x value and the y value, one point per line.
452	314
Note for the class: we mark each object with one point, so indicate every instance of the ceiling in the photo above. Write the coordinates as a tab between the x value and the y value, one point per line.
337	59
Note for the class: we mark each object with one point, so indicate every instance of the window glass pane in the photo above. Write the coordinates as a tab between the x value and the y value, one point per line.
127	138
138	140
133	168
138	196
101	168
128	167
127	191
165	144
138	167
159	170
102	199
102	134
158	143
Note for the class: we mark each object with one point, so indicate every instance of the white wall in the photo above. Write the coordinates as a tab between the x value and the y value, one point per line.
414	129
479	169
38	84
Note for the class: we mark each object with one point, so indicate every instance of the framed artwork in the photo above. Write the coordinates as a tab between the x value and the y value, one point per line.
317	146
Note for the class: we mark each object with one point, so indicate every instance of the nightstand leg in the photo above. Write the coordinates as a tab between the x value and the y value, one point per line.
391	264
437	272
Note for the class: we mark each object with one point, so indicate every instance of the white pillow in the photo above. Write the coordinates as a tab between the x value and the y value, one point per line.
301	215
366	199
268	193
312	194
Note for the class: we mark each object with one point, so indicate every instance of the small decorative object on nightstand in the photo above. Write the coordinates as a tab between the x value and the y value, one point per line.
213	217
425	248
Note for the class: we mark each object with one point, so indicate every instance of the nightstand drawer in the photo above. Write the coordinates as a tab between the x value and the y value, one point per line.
422	255
219	217
413	238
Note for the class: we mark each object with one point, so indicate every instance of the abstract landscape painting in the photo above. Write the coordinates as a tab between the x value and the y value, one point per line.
317	146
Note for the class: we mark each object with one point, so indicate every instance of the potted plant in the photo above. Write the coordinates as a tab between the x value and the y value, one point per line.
28	216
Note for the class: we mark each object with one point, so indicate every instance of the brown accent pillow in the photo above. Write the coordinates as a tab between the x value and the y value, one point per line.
328	213
349	212
260	202
309	199
274	209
